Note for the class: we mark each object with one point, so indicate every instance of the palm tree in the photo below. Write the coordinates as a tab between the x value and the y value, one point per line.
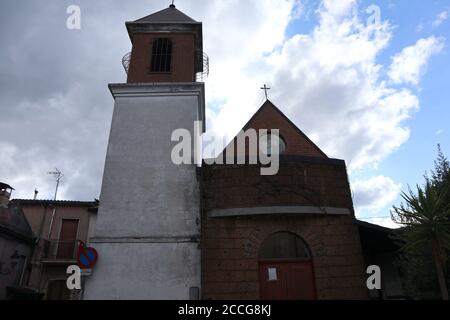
425	219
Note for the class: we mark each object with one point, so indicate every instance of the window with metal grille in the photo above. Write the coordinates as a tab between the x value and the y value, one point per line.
161	55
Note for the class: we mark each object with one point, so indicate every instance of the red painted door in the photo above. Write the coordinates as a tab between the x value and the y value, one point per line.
286	280
67	239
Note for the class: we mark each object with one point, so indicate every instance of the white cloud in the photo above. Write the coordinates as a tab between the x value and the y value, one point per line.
374	193
441	17
409	64
327	80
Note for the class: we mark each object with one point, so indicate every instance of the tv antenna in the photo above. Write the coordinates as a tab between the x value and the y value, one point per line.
58	175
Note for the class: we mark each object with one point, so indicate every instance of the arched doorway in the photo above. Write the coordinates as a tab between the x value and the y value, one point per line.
285	268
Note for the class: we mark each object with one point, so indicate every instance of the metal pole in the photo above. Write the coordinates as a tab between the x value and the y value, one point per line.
58	178
56	190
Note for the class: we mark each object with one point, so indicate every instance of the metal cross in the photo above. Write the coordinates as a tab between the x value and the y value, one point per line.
265	88
173	2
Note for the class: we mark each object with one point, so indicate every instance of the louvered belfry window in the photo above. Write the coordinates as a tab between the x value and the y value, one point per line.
161	55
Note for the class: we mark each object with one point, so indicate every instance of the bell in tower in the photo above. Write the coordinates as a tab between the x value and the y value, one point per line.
147	231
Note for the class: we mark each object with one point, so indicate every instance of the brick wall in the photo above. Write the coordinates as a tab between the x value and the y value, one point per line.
183	58
230	245
299	181
270	117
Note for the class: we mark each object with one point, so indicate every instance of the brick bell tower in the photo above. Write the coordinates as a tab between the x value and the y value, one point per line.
147	231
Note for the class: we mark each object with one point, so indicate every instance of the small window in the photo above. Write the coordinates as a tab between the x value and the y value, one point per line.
161	55
284	245
271	145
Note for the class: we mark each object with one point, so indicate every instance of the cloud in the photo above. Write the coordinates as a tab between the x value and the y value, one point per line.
409	64
374	193
441	17
56	108
54	102
329	83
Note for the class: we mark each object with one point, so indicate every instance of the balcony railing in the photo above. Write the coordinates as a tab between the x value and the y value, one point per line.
59	250
202	60
126	62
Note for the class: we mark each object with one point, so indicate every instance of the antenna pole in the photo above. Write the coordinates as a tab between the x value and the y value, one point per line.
58	176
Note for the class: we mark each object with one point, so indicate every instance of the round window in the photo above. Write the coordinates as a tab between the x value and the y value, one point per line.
271	144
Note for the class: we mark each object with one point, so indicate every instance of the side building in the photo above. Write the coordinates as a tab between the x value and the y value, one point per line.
58	227
16	247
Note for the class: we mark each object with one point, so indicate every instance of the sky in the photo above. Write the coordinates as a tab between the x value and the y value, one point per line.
366	80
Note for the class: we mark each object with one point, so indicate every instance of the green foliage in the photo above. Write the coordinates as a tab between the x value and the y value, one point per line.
419	274
440	175
424	216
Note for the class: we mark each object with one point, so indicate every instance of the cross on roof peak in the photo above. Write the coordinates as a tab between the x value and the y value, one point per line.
265	88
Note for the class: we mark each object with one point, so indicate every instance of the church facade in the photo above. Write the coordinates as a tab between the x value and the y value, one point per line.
292	235
221	231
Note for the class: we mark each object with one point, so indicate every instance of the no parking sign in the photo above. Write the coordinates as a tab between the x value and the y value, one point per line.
87	256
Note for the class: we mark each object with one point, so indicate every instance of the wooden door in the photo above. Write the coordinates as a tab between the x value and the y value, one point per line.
67	239
286	280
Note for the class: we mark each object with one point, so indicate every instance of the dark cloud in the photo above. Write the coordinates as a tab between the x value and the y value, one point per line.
54	101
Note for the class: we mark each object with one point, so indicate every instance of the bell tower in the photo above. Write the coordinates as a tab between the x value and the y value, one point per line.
148	225
167	47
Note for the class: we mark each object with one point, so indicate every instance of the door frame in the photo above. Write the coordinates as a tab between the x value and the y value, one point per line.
60	229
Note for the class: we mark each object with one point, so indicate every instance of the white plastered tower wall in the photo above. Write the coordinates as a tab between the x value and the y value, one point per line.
148	223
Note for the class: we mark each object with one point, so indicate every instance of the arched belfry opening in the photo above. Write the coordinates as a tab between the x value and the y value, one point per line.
286	268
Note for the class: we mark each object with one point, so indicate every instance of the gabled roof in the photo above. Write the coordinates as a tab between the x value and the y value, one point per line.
269	104
169	15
